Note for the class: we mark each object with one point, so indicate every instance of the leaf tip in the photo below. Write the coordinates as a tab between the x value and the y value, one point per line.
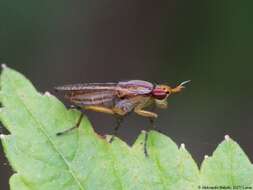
226	137
206	156
143	132
48	93
2	136
182	146
108	138
4	66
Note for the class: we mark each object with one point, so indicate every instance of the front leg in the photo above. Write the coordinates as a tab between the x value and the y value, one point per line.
151	116
145	113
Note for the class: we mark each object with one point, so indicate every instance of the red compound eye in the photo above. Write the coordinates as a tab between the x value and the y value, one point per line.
159	93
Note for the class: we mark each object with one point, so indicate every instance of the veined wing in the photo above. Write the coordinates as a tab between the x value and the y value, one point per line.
135	87
87	87
105	98
90	93
131	87
104	93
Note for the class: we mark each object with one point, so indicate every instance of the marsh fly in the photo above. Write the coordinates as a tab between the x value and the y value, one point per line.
119	99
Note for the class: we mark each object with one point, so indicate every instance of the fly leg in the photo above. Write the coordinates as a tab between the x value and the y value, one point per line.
93	108
151	116
100	109
119	120
78	121
121	109
145	113
152	121
74	127
72	107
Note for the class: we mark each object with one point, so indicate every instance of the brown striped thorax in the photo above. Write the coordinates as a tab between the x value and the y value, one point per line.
120	98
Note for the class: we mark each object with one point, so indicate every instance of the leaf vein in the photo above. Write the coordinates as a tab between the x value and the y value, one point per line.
40	126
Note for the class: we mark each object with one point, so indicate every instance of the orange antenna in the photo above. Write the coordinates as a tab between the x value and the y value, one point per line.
185	82
180	87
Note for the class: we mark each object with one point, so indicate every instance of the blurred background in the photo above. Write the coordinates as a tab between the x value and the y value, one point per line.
209	42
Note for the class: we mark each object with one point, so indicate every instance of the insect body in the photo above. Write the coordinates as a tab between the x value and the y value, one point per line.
120	98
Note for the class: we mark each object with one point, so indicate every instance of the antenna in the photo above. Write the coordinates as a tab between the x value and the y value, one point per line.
185	82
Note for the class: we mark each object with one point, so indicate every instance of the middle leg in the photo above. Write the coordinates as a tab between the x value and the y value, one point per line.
118	113
119	120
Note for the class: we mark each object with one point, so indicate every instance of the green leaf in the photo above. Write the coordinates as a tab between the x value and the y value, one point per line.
228	167
80	159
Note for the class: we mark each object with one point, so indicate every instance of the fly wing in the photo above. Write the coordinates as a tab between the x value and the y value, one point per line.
87	87
105	98
135	87
90	93
104	93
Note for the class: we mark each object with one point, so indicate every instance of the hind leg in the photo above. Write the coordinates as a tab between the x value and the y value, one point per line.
100	109
74	127
93	108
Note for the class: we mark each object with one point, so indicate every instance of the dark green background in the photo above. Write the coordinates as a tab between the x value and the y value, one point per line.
209	42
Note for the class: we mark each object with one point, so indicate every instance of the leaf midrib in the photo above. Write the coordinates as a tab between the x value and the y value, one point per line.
40	126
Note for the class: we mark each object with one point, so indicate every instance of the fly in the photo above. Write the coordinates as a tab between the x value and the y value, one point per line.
119	99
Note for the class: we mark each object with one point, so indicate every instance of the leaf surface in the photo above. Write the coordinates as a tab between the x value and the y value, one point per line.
228	166
81	159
